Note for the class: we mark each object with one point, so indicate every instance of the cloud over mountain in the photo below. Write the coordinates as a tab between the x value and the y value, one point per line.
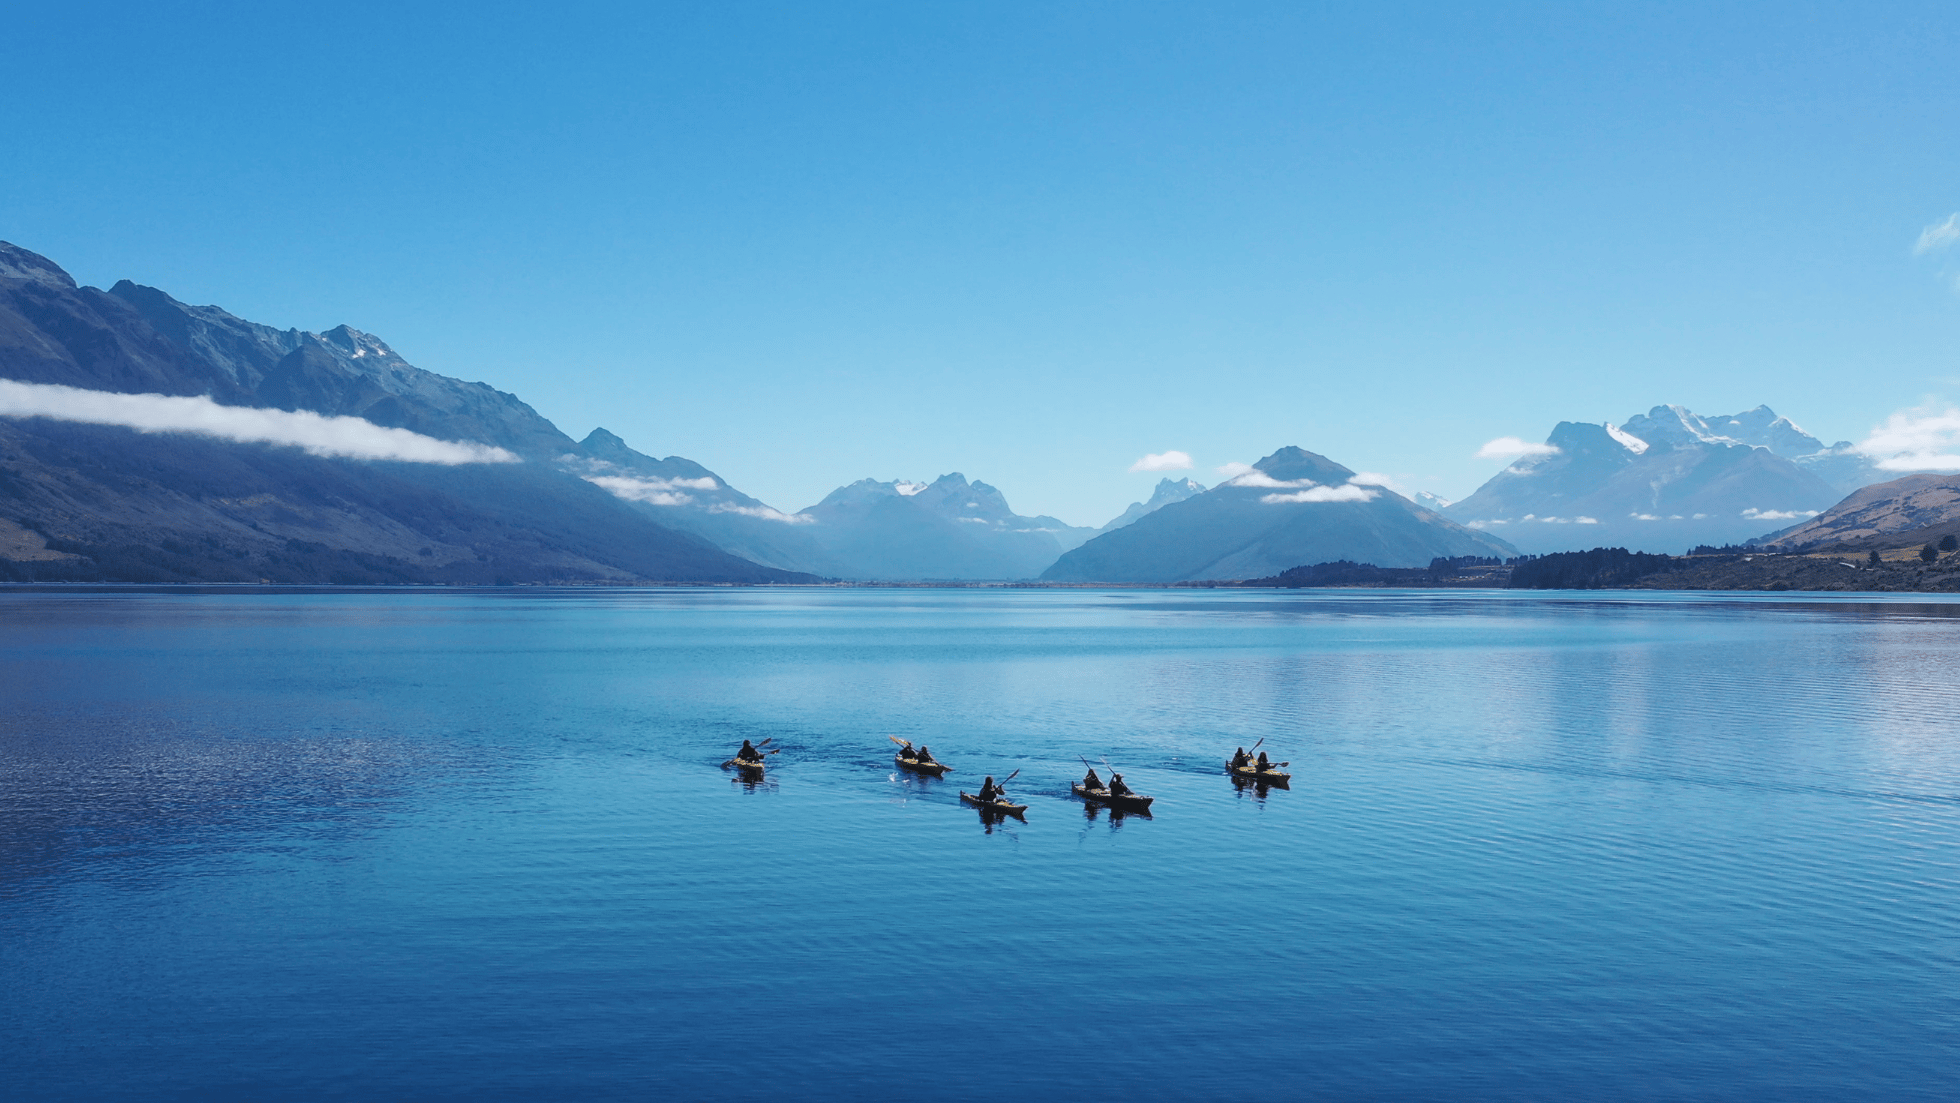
316	434
1921	439
1513	447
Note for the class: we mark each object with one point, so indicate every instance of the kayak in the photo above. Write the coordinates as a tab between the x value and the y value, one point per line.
993	805
930	769
745	767
1263	777
1129	801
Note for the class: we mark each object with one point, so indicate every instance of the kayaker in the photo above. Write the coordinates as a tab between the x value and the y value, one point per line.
748	753
1116	786
1240	759
1264	763
922	754
1090	780
991	792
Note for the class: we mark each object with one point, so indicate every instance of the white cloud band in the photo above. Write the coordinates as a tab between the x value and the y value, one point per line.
1346	493
316	434
1505	448
1172	460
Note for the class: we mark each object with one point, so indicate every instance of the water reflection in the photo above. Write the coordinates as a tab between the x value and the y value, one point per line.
1257	789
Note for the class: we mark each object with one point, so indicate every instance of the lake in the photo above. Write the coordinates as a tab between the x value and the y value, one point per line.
476	845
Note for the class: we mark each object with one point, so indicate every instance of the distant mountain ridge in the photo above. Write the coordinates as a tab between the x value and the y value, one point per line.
947	529
1292	508
86	501
1666	480
1898	513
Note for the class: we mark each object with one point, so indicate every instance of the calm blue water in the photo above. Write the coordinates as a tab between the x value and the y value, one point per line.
476	846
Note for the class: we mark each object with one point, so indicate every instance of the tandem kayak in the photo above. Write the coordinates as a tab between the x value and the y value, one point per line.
1131	802
1000	806
1263	777
930	769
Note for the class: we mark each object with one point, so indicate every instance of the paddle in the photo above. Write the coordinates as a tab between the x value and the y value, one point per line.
900	742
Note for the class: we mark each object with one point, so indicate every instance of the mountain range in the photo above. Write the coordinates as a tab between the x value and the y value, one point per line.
150	440
87	500
107	501
1665	480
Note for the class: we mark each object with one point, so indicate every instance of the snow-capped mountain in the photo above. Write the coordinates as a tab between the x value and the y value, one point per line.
1665	481
1291	509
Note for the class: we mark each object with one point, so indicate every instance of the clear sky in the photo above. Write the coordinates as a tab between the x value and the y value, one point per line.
808	243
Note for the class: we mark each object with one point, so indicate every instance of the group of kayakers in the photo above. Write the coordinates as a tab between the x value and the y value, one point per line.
991	790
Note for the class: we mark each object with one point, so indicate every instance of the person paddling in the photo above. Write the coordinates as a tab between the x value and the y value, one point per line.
1264	763
990	792
1240	759
922	754
1116	786
748	753
1091	781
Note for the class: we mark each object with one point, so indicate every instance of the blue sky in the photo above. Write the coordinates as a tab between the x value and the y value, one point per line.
805	244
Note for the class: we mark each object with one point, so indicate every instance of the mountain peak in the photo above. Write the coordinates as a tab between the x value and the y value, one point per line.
17	263
1293	462
1173	490
357	344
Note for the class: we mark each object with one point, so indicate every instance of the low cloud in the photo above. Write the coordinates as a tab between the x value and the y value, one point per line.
1234	469
1505	448
763	512
1172	460
315	434
1778	514
1346	493
1258	478
1938	236
656	491
1386	482
1924	438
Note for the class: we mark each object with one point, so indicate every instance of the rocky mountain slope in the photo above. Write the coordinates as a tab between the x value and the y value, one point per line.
1667	480
108	502
1905	512
1168	491
1293	507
